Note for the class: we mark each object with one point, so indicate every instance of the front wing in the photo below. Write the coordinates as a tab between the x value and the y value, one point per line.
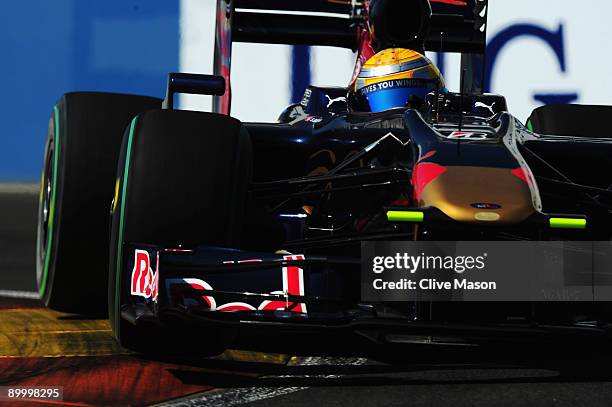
314	300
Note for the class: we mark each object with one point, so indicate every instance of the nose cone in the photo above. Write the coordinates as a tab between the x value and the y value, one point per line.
479	195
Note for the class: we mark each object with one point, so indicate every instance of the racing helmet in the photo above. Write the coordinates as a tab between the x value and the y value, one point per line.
394	77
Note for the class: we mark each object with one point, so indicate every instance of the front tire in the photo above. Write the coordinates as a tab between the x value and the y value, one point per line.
182	180
81	152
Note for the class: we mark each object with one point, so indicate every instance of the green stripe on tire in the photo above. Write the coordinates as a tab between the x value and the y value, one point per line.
56	147
124	183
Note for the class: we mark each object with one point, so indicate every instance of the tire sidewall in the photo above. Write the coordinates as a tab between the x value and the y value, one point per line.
46	264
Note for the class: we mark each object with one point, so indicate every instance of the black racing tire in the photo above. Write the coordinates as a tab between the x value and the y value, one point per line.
80	163
182	180
571	120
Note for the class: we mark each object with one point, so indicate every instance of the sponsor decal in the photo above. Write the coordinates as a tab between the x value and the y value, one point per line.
487	216
306	97
144	282
455	135
236	306
198	285
155	285
293	284
396	83
332	101
485	106
313	119
484	205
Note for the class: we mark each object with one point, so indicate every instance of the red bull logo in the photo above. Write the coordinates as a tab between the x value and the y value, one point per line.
293	284
144	281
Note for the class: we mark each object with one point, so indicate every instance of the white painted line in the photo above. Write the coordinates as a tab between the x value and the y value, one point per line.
19	188
33	295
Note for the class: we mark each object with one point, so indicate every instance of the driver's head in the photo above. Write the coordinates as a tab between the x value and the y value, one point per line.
394	77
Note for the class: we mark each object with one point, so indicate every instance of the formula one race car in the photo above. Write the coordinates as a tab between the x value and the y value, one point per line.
225	233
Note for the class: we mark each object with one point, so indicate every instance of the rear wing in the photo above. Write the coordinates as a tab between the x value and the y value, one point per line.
293	22
296	22
455	26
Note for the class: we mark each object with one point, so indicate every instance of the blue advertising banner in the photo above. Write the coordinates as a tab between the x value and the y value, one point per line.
52	47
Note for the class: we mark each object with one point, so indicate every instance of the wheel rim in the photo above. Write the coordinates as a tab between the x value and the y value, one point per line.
44	211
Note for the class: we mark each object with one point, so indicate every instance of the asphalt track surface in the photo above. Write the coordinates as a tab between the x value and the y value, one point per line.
39	347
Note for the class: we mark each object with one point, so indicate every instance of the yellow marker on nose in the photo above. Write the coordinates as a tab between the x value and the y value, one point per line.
567	223
405	216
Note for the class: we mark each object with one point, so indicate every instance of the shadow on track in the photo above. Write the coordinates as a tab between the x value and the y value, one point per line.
430	367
